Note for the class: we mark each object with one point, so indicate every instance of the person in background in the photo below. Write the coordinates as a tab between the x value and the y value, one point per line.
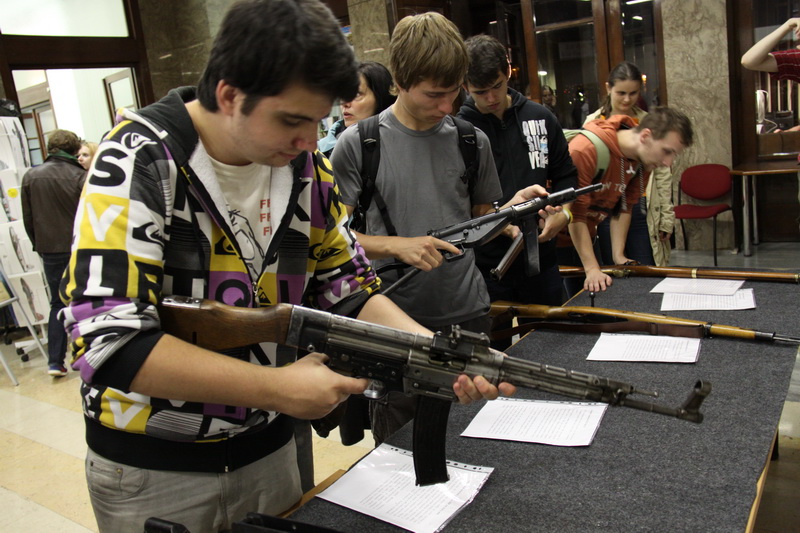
218	192
653	217
86	154
635	150
374	95
549	100
50	195
529	148
781	64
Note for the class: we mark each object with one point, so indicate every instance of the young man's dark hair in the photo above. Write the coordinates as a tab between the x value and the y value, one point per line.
487	59
662	120
63	140
265	45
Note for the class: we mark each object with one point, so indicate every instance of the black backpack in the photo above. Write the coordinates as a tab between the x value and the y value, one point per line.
369	135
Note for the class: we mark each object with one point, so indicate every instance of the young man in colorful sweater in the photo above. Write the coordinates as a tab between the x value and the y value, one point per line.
217	193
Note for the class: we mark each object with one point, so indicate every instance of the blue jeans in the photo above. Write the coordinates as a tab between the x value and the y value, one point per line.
637	245
54	266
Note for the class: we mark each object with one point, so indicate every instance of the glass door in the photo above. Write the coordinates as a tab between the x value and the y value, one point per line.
568	67
567	50
573	44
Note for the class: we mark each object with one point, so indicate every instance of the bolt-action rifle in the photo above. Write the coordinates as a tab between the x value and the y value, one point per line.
396	360
624	271
480	230
598	319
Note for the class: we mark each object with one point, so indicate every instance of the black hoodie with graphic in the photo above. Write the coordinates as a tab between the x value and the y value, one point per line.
529	148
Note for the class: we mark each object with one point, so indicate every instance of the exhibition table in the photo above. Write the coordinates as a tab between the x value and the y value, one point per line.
643	471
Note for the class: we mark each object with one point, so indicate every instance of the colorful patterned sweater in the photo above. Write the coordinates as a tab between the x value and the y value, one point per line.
149	226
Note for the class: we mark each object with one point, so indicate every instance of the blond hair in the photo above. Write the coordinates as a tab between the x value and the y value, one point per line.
427	47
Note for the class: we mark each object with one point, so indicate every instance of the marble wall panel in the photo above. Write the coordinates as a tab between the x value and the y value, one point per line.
696	63
215	12
178	39
370	30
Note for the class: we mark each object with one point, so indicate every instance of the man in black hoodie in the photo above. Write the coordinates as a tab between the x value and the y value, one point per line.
529	148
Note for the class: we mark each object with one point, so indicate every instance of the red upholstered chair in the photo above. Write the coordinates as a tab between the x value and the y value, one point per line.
703	182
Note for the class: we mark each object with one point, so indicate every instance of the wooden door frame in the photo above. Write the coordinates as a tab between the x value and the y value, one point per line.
607	20
24	52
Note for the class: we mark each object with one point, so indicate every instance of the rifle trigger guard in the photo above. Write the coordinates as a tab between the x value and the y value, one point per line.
449	256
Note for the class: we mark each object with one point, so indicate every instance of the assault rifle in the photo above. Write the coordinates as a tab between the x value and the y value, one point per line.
480	230
396	360
624	271
598	319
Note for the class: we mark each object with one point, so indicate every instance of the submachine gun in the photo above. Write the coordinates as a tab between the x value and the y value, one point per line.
396	360
480	230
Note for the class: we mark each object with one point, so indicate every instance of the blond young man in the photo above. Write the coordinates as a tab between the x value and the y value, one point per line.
419	179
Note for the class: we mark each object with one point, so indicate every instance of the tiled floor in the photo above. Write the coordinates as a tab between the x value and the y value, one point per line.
42	486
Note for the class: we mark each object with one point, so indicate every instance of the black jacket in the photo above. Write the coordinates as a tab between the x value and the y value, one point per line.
50	195
529	148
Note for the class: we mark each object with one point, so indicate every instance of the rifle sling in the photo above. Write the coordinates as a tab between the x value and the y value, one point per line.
430	430
672	330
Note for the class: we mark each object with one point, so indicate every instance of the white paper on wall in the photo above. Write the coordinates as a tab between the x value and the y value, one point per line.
32	296
14	144
16	251
10	181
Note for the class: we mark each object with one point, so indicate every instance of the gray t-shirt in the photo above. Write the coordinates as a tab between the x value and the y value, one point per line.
419	178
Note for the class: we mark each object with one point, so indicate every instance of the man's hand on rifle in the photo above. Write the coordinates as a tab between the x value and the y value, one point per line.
472	390
421	252
308	389
552	224
596	279
525	195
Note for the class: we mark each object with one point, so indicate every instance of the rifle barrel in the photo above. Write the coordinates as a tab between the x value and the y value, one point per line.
624	271
581	314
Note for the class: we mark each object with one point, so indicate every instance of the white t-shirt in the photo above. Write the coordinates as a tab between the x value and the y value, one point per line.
248	192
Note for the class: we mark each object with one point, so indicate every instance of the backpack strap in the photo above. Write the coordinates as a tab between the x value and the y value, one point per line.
603	154
468	144
369	136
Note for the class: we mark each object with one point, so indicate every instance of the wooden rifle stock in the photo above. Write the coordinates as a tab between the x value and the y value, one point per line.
624	271
216	326
592	315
